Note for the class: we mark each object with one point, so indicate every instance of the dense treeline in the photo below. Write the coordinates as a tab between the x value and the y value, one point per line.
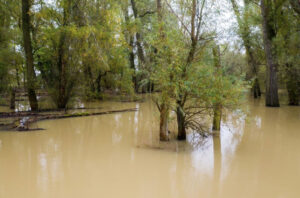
72	48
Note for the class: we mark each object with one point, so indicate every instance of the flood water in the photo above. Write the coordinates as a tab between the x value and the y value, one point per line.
256	155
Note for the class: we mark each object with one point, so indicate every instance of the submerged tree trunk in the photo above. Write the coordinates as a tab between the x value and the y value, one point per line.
182	96
195	29
256	88
164	107
29	56
163	124
268	34
251	61
218	77
217	117
180	122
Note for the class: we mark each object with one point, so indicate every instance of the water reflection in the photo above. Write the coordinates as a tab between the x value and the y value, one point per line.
217	164
104	156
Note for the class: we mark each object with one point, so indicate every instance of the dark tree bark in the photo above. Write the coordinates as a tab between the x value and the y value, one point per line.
62	62
268	34
29	56
98	83
181	120
12	98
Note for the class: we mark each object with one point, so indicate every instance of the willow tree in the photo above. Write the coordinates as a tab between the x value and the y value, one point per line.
164	105
56	51
29	55
269	34
163	55
192	27
245	34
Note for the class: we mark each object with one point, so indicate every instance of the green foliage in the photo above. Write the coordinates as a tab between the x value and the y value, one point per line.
95	41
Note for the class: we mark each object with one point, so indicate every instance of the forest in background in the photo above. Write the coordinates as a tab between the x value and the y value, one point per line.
175	48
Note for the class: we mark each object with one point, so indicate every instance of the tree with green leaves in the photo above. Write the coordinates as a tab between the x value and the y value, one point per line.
26	23
269	33
245	34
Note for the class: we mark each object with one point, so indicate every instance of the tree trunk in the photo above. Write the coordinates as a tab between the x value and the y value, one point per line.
163	124
256	88
181	98
218	76
63	95
132	65
268	34
164	107
62	99
12	98
244	32
130	41
180	122
29	56
140	51
217	118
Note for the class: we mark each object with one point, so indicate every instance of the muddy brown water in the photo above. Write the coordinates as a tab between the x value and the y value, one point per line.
256	155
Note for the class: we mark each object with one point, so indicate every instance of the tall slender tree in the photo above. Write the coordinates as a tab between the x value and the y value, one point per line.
29	56
164	107
245	34
217	107
196	16
269	34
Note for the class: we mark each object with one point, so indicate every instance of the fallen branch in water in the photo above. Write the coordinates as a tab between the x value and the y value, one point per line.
29	118
32	113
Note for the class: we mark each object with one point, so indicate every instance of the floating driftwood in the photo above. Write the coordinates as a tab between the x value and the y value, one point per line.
32	113
28	118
